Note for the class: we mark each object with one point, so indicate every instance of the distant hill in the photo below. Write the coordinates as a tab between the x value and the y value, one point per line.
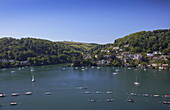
146	41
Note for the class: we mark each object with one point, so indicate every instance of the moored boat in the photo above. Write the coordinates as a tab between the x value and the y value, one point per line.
167	96
47	93
145	95
136	83
98	92
165	102
156	95
15	94
108	92
28	93
131	100
87	92
2	95
91	100
109	100
13	103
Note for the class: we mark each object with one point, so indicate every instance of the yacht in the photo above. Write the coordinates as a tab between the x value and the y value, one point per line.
136	83
15	94
33	79
2	95
87	92
13	103
28	93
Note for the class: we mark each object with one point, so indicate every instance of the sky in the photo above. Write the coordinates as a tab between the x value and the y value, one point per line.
92	21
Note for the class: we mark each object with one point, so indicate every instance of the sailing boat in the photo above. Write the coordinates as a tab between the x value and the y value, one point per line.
33	79
136	83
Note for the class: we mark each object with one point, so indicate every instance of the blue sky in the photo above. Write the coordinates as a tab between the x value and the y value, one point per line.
98	21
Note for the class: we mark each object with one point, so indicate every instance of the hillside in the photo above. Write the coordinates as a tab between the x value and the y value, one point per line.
83	47
35	51
146	41
130	50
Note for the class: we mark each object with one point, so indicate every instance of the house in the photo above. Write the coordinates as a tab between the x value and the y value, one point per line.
116	48
105	51
135	56
11	61
96	56
164	67
155	65
3	60
150	54
24	62
157	53
126	45
106	56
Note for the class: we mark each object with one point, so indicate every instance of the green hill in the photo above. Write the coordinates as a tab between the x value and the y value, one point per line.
146	41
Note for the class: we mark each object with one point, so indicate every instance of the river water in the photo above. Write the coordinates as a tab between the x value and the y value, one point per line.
66	87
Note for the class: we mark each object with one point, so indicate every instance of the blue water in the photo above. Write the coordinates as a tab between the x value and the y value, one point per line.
64	84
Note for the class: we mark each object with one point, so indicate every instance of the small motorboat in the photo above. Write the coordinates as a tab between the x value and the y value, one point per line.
167	96
131	100
47	93
145	95
108	92
165	102
13	71
82	87
28	93
91	100
13	103
137	83
115	73
109	100
98	92
15	94
156	95
2	95
133	94
87	92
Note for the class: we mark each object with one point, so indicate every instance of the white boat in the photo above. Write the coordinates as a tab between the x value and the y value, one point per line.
13	103
109	100
137	83
87	92
117	70
108	92
47	93
28	93
2	95
33	79
82	87
115	73
98	92
13	71
156	95
15	94
145	95
133	94
98	67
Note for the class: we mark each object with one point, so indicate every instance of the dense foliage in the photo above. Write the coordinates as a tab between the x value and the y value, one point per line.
36	51
146	41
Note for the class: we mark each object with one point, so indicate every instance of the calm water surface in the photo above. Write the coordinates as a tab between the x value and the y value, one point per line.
64	85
